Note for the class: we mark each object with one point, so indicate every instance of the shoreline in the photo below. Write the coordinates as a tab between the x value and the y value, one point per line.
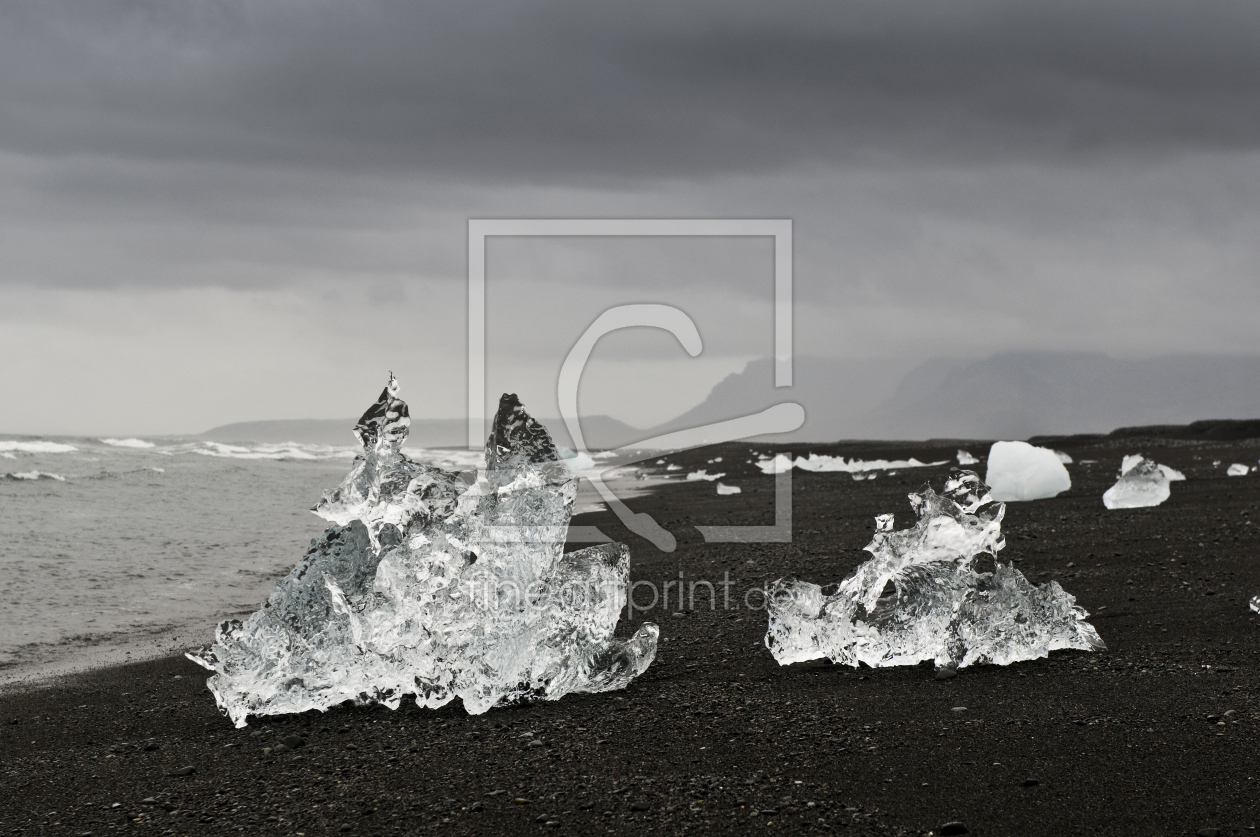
1156	735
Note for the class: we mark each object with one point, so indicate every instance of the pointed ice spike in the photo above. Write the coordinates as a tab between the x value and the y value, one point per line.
516	439
434	587
387	419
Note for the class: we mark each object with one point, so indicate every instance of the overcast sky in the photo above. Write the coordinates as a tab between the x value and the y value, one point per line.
230	210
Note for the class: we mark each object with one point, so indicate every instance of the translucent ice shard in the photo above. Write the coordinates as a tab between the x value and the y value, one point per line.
1019	471
702	474
437	584
921	596
1142	483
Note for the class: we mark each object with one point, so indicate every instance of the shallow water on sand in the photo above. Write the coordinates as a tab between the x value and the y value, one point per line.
110	550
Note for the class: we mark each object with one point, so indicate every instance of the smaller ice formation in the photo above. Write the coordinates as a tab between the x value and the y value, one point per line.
1237	470
1255	604
1142	483
696	476
722	488
1063	457
439	585
921	597
965	458
1018	471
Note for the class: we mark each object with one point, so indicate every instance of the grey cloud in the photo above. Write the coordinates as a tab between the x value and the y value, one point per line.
583	91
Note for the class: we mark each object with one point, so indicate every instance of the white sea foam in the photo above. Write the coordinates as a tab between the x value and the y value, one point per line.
36	447
128	443
35	475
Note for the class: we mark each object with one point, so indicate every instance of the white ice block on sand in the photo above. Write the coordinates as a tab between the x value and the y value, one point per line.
1019	471
695	476
1142	483
1237	470
727	489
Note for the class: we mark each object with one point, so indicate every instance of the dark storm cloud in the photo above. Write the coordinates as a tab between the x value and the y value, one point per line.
575	90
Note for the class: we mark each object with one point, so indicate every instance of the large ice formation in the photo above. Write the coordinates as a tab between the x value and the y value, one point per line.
1142	483
1018	471
921	597
436	584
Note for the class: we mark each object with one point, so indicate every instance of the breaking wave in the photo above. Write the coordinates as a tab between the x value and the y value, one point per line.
34	475
36	447
128	443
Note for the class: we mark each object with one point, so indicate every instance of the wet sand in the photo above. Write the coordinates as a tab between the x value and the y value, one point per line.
1155	736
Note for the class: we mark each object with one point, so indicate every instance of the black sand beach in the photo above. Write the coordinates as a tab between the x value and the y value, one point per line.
1155	736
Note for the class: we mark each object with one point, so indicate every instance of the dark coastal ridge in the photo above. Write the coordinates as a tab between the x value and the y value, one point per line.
1155	736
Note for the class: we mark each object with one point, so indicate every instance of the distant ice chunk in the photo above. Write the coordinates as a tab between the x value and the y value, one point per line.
1172	474
818	463
439	585
1255	604
695	476
778	465
1017	471
1063	457
1142	483
920	597
965	458
722	488
128	443
1237	470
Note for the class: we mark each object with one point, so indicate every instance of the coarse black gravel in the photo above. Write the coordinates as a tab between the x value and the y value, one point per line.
1155	736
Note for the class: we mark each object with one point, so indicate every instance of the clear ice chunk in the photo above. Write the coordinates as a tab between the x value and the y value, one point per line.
1018	471
1142	483
436	584
702	474
921	596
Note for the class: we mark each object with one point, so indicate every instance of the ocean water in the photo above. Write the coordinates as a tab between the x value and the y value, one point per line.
114	549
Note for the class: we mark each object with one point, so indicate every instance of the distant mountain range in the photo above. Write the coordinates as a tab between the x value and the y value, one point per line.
1012	395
